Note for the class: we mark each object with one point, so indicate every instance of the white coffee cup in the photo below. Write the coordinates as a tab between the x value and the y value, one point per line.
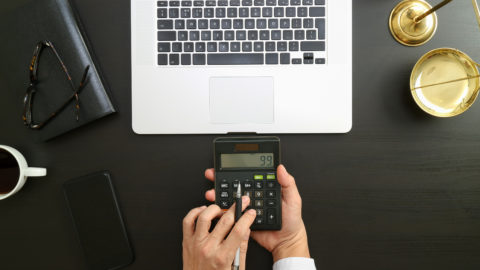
23	169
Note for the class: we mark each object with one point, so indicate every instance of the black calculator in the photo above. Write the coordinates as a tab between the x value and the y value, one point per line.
252	163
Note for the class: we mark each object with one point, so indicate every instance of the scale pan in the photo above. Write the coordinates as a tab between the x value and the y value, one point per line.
445	82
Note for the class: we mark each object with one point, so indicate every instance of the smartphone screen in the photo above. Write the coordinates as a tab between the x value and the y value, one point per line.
98	221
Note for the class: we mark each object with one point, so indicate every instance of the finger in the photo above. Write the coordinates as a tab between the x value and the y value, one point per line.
239	231
189	221
243	251
210	174
210	195
205	220
227	221
289	188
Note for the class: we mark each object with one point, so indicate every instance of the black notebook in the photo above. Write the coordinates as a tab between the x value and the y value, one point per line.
21	28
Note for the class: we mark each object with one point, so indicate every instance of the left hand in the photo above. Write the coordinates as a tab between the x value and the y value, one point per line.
207	251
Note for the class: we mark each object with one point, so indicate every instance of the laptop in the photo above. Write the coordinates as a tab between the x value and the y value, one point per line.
241	66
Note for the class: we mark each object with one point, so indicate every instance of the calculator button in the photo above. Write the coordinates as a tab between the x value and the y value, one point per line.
271	177
258	193
235	185
258	185
271	203
259	220
224	185
271	184
271	216
258	177
258	203
247	184
224	204
224	194
248	193
259	212
271	194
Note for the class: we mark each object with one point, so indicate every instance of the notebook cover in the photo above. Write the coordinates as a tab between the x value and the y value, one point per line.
21	28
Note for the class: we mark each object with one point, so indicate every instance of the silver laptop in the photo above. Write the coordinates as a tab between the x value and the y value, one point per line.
221	66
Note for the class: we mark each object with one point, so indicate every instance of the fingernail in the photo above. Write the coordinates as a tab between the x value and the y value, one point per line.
245	199
252	212
283	168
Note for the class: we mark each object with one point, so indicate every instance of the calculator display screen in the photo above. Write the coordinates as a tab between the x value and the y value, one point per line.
255	160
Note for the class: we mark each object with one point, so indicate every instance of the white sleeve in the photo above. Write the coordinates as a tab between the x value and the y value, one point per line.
294	263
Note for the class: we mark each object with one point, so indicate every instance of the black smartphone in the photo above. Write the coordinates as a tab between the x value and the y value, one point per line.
98	222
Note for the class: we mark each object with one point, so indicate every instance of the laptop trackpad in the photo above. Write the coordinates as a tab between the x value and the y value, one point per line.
241	100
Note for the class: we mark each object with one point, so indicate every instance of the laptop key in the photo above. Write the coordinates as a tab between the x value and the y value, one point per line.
167	36
296	61
217	35
173	13
194	35
226	24
241	35
287	34
259	2
317	12
299	34
223	47
271	2
320	25
267	12
249	23
320	61
188	47
311	34
302	12
295	2
282	46
308	58
256	12
258	46
197	13
162	13
206	35
283	2
307	23
164	47
284	58
293	46
271	58
164	24
319	2
174	59
198	3
208	12
273	23
229	35
174	3
199	46
234	3
312	46
290	12
296	23
235	59
162	3
276	35
202	24
284	23
278	12
264	35
243	12
235	46
163	59
253	35
191	24
246	46
176	47
220	12
199	59
215	24
186	3
211	3
246	3
211	47
222	3
261	24
185	13
231	12
182	35
179	24
270	46
237	24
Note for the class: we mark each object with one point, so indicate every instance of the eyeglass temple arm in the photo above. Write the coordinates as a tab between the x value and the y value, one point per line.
477	11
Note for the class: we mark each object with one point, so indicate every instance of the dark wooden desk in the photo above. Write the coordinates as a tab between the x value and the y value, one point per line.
400	191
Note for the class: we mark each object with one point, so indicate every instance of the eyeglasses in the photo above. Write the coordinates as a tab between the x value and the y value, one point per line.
32	88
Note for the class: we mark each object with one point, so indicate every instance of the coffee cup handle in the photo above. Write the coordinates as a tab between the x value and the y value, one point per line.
35	172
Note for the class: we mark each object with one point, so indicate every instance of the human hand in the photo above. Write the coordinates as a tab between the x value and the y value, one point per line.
291	240
207	251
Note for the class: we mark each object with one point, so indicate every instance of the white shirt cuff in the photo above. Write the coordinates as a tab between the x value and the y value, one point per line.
294	263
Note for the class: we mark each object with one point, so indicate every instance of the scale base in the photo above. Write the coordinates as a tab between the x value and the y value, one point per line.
403	26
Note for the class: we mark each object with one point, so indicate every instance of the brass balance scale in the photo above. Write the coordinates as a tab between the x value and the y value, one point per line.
444	82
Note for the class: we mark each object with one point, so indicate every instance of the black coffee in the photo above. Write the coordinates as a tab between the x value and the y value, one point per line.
9	172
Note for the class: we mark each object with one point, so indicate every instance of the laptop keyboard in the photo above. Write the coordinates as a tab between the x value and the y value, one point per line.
241	32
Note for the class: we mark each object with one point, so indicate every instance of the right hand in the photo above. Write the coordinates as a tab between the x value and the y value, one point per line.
291	240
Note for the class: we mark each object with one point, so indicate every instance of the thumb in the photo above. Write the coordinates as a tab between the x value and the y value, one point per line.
289	188
243	251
